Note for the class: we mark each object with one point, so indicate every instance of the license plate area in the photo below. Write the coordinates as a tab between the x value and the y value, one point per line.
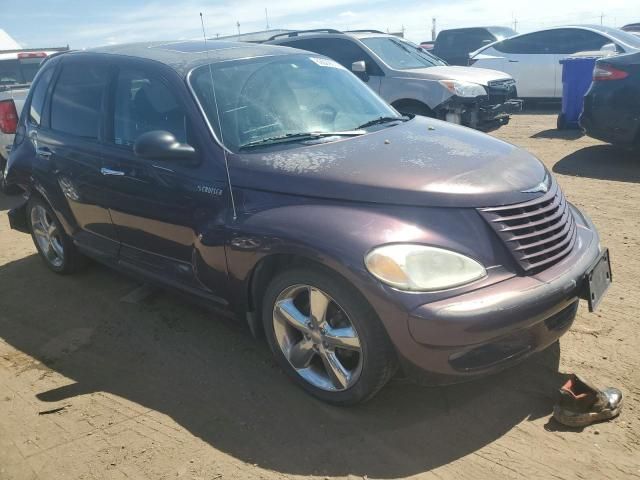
598	280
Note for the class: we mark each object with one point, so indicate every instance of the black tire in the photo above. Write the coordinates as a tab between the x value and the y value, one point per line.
379	361
71	260
561	123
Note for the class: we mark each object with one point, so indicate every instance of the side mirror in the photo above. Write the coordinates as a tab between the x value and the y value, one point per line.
162	145
360	69
609	47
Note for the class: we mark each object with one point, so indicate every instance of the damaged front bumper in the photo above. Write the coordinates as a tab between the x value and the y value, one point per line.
479	113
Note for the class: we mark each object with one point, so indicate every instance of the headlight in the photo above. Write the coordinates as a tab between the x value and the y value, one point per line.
463	89
421	268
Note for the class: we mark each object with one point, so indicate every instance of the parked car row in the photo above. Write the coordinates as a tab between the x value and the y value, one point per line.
272	182
358	238
411	79
533	59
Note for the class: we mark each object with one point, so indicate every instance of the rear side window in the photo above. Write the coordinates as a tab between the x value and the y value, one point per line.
143	103
558	41
76	103
38	96
345	52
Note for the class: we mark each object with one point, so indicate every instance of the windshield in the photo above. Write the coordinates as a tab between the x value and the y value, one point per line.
21	71
400	54
274	97
502	32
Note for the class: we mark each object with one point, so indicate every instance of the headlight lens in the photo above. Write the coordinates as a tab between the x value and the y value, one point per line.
464	89
421	268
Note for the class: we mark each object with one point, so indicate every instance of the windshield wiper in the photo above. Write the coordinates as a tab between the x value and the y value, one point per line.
297	137
381	120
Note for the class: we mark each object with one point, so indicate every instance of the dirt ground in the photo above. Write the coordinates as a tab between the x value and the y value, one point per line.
93	386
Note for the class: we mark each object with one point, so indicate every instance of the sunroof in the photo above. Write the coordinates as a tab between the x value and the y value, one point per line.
195	46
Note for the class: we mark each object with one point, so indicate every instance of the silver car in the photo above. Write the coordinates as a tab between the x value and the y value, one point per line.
413	80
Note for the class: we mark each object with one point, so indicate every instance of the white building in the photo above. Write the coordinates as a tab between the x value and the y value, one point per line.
8	43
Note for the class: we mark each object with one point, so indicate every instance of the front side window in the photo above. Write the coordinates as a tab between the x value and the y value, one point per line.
38	96
76	103
143	103
272	97
400	55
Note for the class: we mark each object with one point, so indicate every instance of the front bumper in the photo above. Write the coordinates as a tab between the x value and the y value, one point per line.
479	113
491	328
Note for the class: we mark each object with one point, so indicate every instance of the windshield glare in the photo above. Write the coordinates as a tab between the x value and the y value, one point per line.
400	54
270	97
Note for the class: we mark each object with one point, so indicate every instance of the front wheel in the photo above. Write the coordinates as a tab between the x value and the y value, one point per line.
326	336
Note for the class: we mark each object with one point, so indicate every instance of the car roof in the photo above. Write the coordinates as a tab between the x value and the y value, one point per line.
606	31
482	27
185	55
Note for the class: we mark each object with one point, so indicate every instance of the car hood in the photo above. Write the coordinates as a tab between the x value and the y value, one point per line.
422	162
481	76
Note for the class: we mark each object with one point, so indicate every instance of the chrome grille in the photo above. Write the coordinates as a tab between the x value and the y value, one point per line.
499	91
539	232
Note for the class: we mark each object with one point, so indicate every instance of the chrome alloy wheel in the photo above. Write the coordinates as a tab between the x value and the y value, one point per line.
317	337
47	235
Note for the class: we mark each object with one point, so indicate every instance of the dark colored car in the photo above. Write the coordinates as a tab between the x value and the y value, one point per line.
274	183
632	28
612	105
454	45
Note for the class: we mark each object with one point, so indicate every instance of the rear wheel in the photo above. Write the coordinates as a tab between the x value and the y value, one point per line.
53	244
326	336
561	123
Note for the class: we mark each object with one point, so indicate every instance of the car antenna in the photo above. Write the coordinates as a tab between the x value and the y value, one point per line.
215	103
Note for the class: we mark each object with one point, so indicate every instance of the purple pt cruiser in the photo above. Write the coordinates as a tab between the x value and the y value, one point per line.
272	182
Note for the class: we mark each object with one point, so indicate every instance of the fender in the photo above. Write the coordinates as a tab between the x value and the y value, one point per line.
338	235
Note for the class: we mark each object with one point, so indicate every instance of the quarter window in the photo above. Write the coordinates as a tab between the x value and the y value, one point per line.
38	95
76	104
143	103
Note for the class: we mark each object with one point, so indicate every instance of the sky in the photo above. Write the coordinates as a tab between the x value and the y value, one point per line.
87	23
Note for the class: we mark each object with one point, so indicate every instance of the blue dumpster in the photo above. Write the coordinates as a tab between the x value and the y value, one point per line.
577	73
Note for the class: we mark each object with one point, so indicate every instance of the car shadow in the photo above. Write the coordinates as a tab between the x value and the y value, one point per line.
7	202
554	133
221	385
604	162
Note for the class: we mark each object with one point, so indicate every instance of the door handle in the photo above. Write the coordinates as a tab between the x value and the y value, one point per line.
108	171
43	152
514	61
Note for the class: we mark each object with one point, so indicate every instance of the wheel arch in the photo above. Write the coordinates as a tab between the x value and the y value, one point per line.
268	267
411	105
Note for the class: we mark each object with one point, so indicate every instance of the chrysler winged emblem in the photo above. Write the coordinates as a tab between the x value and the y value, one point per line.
542	187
